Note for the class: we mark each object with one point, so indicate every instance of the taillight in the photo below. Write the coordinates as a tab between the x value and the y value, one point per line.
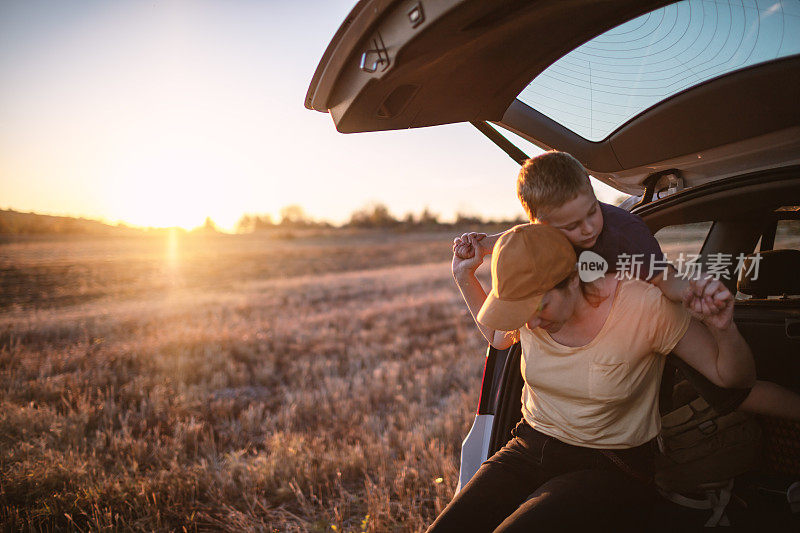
486	383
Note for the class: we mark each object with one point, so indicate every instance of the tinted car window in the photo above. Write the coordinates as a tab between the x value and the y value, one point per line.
681	242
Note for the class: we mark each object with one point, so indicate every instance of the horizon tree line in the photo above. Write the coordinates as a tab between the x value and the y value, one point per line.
373	215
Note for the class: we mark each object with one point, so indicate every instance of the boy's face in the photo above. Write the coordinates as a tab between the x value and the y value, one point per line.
580	219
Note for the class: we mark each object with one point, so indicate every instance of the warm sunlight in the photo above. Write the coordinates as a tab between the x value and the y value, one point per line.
163	114
171	255
172	186
219	312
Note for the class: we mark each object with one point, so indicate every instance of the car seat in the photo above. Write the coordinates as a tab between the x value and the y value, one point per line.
771	273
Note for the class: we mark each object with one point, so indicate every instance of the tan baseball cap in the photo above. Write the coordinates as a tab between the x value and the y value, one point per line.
527	261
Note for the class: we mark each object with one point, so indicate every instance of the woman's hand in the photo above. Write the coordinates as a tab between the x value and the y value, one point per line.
717	350
464	250
465	260
711	302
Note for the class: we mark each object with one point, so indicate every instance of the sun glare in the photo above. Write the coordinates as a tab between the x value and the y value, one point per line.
172	257
175	187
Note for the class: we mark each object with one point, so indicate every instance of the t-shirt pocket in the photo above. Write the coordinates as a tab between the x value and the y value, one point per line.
609	381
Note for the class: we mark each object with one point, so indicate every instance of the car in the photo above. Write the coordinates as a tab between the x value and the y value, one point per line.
690	107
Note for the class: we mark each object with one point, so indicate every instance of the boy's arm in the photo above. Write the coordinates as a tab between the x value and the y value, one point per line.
474	295
679	289
715	347
671	285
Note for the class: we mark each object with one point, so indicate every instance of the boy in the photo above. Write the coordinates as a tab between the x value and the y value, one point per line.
554	189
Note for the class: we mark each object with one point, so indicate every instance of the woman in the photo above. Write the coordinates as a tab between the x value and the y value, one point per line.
583	450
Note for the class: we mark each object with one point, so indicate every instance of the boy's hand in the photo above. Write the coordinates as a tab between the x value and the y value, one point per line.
465	260
464	250
711	302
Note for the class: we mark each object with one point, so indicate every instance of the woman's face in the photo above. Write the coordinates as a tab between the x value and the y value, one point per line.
557	306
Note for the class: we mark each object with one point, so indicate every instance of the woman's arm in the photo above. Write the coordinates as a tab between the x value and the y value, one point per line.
474	295
721	355
715	347
767	398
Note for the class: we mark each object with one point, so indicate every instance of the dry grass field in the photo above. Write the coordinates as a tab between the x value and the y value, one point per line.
232	383
235	382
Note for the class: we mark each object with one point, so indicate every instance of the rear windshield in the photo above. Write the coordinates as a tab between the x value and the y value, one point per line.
605	82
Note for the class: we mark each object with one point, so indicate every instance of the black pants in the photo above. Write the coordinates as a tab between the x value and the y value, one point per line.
538	483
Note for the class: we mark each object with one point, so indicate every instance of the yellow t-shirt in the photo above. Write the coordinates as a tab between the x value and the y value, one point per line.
604	394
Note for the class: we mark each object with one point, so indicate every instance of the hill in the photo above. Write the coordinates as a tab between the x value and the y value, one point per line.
18	223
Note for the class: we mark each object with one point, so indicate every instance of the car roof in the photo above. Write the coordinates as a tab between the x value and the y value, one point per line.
392	66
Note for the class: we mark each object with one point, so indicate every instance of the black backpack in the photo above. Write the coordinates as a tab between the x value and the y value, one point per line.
701	452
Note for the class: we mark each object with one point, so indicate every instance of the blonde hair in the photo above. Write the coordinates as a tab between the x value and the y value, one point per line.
550	180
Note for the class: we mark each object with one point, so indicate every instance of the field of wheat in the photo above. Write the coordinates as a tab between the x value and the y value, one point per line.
232	382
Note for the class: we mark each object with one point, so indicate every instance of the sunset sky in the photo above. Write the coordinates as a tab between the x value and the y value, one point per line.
161	113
